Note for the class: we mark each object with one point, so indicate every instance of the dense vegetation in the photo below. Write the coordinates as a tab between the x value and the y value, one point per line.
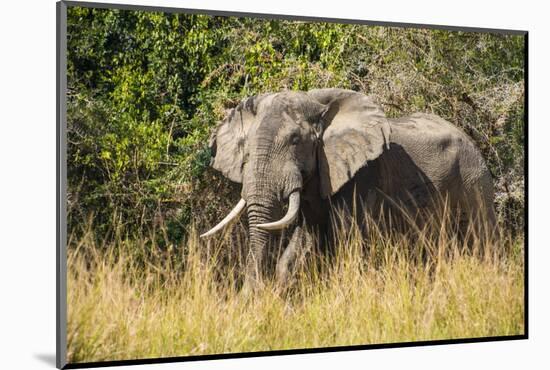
145	89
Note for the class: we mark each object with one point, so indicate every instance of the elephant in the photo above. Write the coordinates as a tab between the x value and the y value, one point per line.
312	150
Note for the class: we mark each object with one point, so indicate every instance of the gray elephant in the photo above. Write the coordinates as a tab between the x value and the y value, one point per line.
313	150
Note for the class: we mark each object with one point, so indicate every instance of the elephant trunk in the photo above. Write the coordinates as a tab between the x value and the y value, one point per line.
267	188
260	210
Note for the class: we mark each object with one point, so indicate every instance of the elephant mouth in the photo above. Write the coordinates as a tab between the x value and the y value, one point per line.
289	217
287	220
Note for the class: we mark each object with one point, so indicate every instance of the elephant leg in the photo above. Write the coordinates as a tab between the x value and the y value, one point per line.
293	256
478	221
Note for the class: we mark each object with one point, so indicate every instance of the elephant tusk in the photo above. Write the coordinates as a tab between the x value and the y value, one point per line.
293	206
235	212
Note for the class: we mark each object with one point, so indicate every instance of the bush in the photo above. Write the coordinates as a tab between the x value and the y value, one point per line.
145	89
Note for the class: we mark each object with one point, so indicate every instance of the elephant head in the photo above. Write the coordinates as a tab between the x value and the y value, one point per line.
275	144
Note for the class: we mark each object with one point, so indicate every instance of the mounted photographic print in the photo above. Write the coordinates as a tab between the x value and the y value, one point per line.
235	185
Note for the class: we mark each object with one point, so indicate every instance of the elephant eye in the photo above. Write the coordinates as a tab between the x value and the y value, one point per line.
295	139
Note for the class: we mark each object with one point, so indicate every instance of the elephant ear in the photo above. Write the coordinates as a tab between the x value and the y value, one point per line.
228	143
355	132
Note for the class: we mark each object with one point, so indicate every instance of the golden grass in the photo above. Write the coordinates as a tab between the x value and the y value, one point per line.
126	303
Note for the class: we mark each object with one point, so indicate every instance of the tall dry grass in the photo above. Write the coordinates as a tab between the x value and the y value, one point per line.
129	299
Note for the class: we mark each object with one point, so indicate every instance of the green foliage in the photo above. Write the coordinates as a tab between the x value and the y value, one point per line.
475	80
146	88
